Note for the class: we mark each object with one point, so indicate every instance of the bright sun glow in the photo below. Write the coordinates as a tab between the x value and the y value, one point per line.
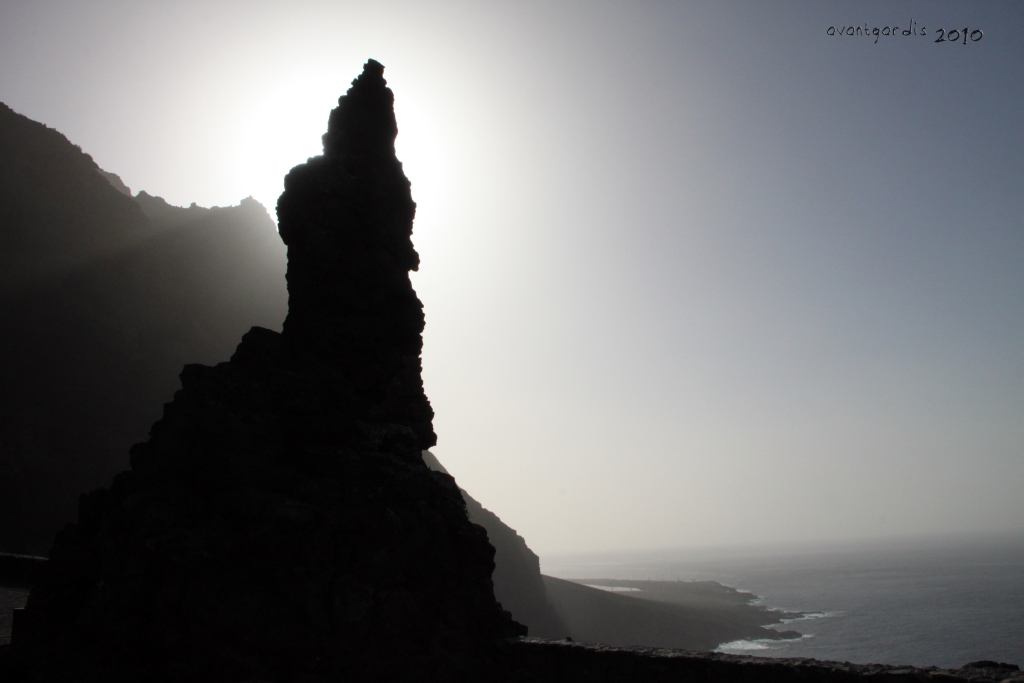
287	120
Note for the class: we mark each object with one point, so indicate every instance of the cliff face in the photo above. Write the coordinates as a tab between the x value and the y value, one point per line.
279	523
102	303
518	584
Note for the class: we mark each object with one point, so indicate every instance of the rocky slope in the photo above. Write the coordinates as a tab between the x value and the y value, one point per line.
104	298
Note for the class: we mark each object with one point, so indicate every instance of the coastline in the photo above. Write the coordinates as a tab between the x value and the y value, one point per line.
697	615
686	615
919	601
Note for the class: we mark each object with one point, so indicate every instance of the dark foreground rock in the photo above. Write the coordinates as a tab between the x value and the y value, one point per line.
540	661
21	570
279	523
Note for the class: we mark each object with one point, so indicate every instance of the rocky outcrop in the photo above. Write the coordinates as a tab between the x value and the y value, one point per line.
347	217
279	523
116	182
103	301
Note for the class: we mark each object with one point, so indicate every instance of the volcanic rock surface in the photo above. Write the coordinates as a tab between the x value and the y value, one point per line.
279	523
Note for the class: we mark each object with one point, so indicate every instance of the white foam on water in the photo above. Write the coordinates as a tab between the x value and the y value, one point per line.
739	646
807	616
736	647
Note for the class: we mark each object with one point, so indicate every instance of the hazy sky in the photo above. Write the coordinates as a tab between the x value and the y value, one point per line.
693	272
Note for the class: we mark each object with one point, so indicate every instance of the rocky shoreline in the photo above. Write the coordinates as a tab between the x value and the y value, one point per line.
572	662
697	616
751	621
535	660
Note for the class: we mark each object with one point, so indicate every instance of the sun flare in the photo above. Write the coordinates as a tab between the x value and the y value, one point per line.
285	123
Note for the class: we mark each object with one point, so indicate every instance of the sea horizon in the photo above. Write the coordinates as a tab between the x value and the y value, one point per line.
925	600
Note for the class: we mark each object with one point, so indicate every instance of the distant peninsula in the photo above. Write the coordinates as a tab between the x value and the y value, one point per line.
687	615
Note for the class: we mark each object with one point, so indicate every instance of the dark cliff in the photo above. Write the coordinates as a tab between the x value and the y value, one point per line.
518	584
102	302
279	523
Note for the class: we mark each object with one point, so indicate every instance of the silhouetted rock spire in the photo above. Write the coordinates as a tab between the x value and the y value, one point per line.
347	220
279	523
363	125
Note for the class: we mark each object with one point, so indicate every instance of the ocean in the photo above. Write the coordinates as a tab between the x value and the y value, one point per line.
938	601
